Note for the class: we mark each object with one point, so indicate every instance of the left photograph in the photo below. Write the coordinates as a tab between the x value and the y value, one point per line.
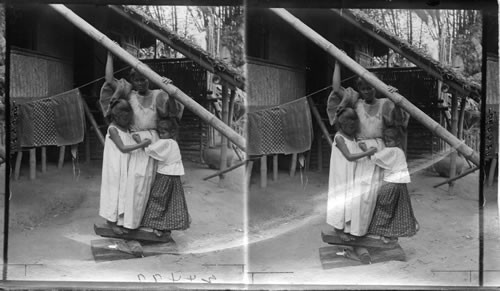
127	143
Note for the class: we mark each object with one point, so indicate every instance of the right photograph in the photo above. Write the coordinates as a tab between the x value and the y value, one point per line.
364	141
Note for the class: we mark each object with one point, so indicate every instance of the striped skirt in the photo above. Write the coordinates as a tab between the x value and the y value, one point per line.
393	216
167	208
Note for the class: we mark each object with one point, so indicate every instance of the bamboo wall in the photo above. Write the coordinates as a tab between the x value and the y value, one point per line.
272	85
34	75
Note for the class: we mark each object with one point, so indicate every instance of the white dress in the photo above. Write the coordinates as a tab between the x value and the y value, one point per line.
341	187
114	178
141	166
367	175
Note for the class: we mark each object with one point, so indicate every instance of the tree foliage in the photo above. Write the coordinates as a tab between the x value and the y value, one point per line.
457	34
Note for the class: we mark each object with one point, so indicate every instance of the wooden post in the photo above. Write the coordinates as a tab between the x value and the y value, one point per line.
320	122
143	69
320	152
44	159
249	172
263	171
380	86
275	167
491	174
33	164
91	118
293	165
461	118
454	131
223	141
17	167
226	170
62	152
87	146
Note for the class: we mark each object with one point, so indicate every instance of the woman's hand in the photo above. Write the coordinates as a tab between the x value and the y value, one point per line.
392	89
166	80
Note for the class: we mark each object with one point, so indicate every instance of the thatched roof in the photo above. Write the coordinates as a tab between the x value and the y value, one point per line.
186	47
417	56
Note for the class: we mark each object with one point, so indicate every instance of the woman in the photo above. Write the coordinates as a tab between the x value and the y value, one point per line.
374	116
147	106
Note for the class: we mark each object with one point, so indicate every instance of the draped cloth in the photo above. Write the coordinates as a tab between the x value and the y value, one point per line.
57	120
284	129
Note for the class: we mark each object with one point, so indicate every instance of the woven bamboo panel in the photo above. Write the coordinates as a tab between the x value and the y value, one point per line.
271	85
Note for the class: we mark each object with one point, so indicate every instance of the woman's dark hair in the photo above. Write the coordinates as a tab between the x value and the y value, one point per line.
360	81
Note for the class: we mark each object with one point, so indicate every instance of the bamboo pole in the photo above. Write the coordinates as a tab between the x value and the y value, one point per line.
62	153
17	167
275	167
144	70
321	124
223	140
33	164
395	97
156	32
454	131
226	170
471	170
44	159
399	50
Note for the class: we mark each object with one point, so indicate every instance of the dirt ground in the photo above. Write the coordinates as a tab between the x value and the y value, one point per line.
52	225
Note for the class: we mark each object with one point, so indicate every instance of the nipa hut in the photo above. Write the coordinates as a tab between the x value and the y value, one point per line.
284	66
48	56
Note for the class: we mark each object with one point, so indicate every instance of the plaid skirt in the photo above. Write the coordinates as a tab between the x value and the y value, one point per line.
167	208
393	216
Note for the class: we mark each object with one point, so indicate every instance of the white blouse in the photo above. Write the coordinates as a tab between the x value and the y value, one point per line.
168	155
393	161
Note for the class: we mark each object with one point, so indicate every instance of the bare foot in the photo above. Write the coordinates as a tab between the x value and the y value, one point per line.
343	236
417	226
125	230
388	240
115	228
158	233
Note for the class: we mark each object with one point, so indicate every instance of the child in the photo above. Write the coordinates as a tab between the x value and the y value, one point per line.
393	216
345	151
166	209
117	145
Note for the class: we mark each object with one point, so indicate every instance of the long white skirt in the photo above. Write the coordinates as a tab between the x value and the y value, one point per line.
367	179
140	178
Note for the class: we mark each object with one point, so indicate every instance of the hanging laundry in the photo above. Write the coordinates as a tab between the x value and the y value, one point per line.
57	120
284	129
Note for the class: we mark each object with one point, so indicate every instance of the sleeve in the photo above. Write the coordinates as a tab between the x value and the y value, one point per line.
394	116
158	150
107	93
167	106
384	158
341	99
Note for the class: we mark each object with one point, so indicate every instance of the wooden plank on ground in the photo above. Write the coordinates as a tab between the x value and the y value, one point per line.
111	250
339	257
140	235
154	249
331	237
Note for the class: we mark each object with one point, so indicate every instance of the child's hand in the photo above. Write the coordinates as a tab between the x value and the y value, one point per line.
372	150
146	142
136	137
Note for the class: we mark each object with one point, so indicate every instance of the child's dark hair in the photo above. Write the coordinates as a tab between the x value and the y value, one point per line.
394	132
117	105
170	124
360	81
343	114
